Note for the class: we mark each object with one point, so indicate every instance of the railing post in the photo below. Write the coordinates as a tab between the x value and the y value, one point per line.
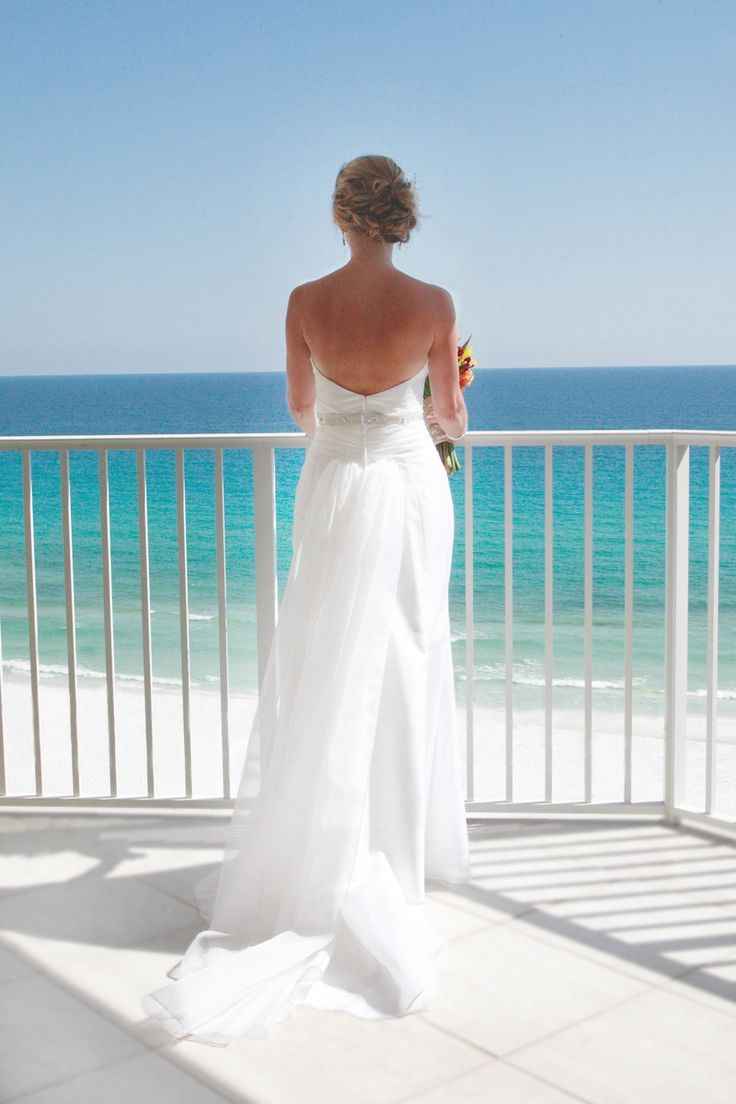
3	783
222	621
508	602
714	560
548	618
71	631
107	609
676	623
264	518
32	617
186	669
267	597
145	579
588	622
469	630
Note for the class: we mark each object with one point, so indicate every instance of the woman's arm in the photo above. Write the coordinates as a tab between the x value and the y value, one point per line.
300	387
446	406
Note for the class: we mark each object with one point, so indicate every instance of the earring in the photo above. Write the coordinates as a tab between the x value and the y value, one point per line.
343	239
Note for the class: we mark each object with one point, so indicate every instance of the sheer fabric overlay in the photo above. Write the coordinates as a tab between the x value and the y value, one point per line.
350	797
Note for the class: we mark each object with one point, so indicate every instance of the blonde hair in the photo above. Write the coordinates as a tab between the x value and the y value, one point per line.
373	197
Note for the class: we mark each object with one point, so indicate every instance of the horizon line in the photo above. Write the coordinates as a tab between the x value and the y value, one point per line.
282	372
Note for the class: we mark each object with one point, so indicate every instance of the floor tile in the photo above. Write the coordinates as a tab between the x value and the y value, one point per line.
47	1035
678	950
500	989
713	983
494	1083
657	1047
11	966
111	911
112	979
145	1078
481	902
451	922
38	867
332	1056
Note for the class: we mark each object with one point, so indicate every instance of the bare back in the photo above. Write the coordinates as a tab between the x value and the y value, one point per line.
369	328
369	331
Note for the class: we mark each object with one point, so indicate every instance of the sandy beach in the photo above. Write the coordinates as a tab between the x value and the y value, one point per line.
489	744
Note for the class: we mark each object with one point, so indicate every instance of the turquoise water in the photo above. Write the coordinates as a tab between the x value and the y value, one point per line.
687	398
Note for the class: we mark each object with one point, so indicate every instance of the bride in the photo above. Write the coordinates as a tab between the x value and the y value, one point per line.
350	798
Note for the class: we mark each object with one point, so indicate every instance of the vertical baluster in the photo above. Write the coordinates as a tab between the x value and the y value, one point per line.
676	624
186	689
32	616
3	780
469	629
508	601
145	615
628	620
71	630
588	624
714	529
264	520
548	610
108	617
222	620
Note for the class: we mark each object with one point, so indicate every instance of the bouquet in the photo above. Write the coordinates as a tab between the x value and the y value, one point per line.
445	447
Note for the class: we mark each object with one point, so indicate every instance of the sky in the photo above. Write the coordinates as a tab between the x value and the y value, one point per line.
166	172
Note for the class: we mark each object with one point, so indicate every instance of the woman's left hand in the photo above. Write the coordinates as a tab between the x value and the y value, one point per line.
436	431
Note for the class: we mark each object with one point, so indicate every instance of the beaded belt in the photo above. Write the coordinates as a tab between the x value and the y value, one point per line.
360	416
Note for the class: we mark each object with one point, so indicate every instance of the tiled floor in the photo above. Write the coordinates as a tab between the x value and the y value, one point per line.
589	960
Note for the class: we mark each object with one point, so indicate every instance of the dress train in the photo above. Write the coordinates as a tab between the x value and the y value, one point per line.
350	795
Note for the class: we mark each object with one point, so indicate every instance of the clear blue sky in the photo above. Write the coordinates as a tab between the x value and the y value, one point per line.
166	172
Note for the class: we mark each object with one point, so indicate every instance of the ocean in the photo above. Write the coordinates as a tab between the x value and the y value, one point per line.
571	398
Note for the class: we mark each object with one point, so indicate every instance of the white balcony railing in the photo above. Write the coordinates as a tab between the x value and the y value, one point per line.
671	804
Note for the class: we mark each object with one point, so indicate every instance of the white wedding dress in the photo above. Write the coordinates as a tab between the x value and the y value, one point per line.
350	796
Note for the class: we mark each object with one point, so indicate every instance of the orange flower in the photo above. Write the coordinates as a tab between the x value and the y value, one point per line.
465	363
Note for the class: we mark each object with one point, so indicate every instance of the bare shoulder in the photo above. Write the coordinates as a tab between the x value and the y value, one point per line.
435	296
441	306
431	300
301	292
311	286
307	297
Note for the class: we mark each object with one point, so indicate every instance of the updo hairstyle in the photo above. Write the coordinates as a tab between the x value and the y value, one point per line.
373	197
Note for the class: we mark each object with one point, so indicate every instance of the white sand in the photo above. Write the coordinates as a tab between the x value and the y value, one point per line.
489	743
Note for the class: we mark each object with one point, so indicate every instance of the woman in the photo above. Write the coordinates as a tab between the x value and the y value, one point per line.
350	797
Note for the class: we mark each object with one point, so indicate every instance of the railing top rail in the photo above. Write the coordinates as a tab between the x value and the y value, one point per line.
292	439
